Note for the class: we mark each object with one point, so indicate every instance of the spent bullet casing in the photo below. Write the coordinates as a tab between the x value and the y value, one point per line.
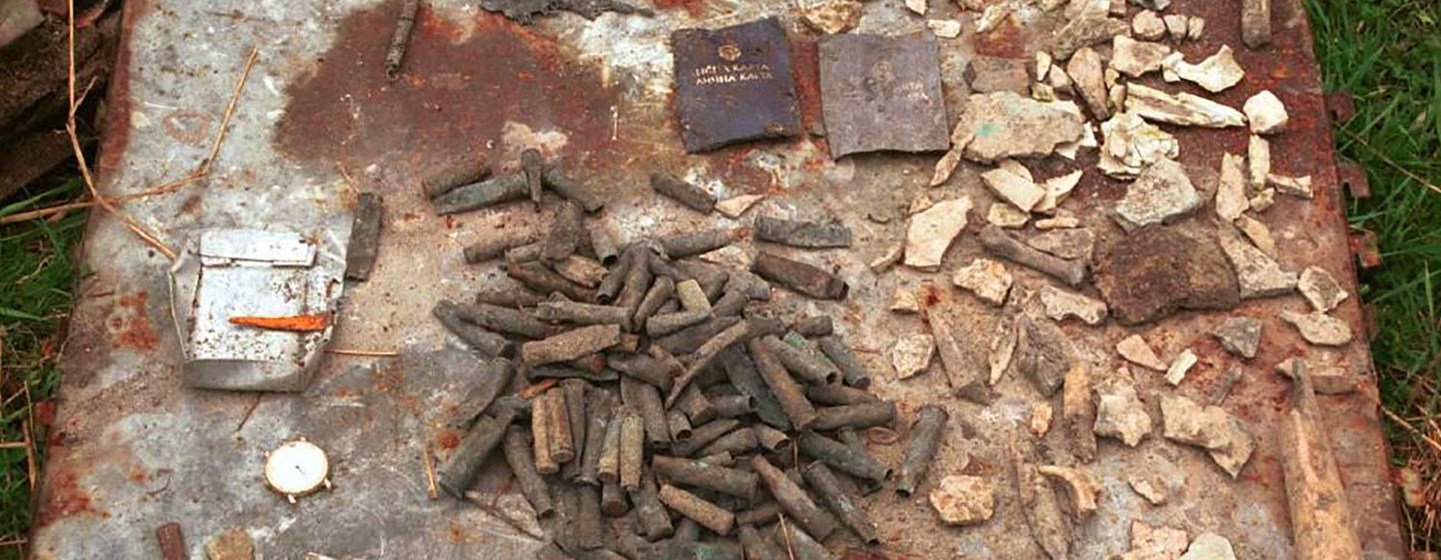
864	415
688	472
456	474
793	499
845	458
828	488
522	466
921	450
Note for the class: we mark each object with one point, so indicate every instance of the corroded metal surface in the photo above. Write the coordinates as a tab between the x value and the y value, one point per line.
734	84
883	93
132	450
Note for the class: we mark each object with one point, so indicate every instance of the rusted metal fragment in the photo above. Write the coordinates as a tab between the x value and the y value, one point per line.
1038	502
800	277
1157	270
498	190
684	192
882	93
570	345
171	540
525	11
734	85
802	233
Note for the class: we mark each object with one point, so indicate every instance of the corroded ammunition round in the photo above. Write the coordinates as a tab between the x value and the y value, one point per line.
540	433
707	514
475	336
689	472
864	415
799	277
565	311
837	394
702	436
828	488
844	458
925	440
612	500
490	192
741	372
532	486
802	415
793	499
632	449
802	233
642	367
503	319
771	439
680	428
852	371
801	363
757	548
736	442
599	408
494	245
654	520
458	471
645	400
732	406
660	292
698	243
692	196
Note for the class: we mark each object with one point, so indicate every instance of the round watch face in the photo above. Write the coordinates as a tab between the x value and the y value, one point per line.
296	468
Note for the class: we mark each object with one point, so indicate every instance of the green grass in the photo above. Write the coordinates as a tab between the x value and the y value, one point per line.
1387	54
37	275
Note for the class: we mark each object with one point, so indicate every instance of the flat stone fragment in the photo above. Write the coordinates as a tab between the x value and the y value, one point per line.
1006	124
1211	428
993	15
1319	328
1181	109
1061	220
1215	74
1259	234
889	259
1182	365
945	28
964	500
1327	379
735	206
1161	192
1090	26
1263	199
1005	215
1081	487
1209	546
1003	348
1258	161
1177	26
917	6
1155	271
882	93
1076	243
1044	61
1148	488
1043	353
1239	335
1231	201
987	279
932	231
1137	58
1259	276
1321	289
1266	113
1132	144
1135	350
1057	189
1155	543
1148	26
904	301
1256	23
911	354
833	16
1042	413
234	544
1299	187
989	74
1015	189
1120	414
1195	27
1086	73
1061	305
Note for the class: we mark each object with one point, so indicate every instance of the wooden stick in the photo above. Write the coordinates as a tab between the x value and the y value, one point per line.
85	174
204	168
432	491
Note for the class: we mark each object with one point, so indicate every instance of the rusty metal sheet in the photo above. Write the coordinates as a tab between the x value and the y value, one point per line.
132	449
734	84
883	94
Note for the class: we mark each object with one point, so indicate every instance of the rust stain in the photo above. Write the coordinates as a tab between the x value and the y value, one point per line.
116	133
129	323
447	439
692	7
805	66
461	88
62	497
1007	40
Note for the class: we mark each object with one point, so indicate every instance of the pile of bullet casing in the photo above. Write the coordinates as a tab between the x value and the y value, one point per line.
663	413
